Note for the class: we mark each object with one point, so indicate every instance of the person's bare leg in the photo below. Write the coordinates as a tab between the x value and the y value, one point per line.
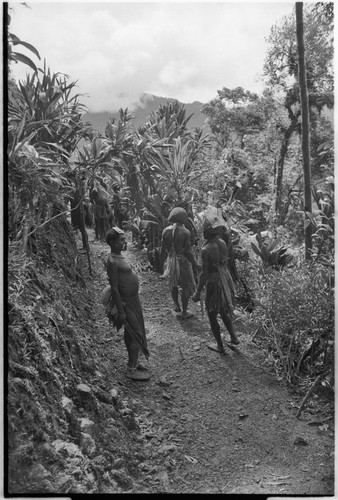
215	328
174	294
133	354
132	348
229	326
185	301
96	229
102	230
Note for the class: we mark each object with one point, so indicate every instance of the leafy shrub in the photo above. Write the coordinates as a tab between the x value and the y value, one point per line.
270	255
322	221
244	296
295	320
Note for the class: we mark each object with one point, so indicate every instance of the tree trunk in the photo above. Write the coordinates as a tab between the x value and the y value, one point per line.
288	200
280	169
27	224
305	129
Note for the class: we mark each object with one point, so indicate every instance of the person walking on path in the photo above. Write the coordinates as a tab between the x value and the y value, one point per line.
123	305
219	298
176	245
101	212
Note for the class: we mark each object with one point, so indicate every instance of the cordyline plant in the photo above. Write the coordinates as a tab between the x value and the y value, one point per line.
44	128
168	172
183	166
169	122
106	156
122	155
169	154
52	114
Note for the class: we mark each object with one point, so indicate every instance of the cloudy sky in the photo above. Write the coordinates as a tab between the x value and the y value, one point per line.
118	50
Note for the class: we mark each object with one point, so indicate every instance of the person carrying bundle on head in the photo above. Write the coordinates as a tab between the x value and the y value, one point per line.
215	275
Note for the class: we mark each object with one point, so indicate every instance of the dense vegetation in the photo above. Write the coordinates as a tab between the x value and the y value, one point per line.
250	166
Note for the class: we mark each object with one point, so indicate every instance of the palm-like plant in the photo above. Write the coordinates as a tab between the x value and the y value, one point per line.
159	148
182	166
114	154
52	112
168	158
14	56
44	128
120	135
168	122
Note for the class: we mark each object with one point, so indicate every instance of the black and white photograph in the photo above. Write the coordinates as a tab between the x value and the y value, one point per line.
169	248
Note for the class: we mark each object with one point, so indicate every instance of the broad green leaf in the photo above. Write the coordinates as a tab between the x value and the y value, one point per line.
256	250
274	244
265	253
96	147
17	41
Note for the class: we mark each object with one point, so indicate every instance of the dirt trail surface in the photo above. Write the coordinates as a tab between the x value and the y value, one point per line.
205	422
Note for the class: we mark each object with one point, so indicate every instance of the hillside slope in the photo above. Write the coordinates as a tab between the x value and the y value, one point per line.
149	104
204	423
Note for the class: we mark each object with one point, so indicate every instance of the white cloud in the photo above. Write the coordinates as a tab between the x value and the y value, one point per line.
176	73
118	50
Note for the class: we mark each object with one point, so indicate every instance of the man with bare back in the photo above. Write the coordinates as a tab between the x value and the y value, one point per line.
124	304
176	244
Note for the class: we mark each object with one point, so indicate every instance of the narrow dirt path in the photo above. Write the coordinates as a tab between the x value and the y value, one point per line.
210	423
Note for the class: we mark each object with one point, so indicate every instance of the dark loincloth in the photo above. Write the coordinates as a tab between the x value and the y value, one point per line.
99	211
132	308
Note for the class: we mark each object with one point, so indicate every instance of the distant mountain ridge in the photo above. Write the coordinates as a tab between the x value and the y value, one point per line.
149	103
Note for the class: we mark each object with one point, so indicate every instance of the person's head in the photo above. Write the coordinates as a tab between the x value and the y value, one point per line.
178	215
187	205
116	239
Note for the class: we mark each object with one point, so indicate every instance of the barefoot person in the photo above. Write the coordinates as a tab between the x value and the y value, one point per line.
124	305
176	244
215	275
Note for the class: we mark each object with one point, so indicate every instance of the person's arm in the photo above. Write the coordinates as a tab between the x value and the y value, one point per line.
163	251
113	281
188	252
202	279
224	252
106	208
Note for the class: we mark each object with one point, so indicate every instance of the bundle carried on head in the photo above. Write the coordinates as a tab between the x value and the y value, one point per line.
213	221
178	215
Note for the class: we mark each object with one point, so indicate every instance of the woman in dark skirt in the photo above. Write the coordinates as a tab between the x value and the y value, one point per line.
215	275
